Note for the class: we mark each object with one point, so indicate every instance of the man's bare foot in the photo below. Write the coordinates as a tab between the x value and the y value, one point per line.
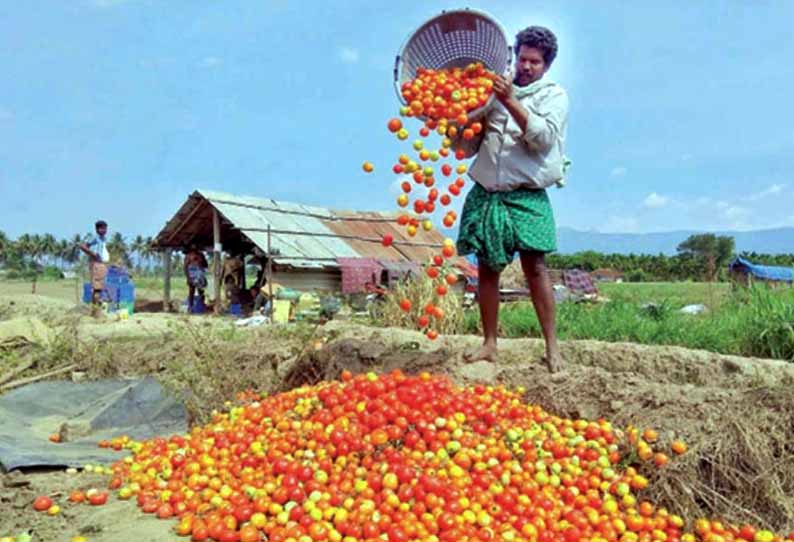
483	353
553	362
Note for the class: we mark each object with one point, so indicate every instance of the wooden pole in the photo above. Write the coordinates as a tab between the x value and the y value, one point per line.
167	280
269	276
216	258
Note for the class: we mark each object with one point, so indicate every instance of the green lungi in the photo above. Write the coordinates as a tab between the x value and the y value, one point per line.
495	225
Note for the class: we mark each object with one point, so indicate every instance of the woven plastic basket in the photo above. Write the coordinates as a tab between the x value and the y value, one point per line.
454	39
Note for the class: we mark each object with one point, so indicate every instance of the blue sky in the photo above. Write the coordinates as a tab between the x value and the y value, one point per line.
681	112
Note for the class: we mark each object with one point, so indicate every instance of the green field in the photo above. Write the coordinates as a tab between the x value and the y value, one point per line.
757	322
711	294
71	290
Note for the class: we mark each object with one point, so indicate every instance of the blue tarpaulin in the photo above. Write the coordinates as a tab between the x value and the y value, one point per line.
763	272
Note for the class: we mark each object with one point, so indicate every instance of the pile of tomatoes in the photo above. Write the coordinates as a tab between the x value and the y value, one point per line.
402	458
443	100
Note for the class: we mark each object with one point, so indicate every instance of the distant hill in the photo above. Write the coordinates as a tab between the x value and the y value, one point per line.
773	241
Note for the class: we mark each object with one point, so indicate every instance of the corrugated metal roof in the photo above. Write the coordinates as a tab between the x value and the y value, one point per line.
399	252
304	236
252	216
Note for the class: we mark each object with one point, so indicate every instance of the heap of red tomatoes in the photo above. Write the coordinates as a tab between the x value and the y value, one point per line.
401	458
443	99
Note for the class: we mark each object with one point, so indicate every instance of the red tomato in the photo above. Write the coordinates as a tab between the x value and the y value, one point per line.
42	503
98	499
76	496
249	533
395	125
165	511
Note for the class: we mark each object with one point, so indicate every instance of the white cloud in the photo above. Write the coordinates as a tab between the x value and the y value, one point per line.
655	201
6	114
621	224
734	212
348	55
210	61
619	171
774	189
722	205
686	157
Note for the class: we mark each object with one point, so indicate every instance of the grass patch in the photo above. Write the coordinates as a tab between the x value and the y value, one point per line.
757	322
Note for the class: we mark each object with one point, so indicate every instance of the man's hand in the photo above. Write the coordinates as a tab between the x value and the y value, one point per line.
503	89
92	255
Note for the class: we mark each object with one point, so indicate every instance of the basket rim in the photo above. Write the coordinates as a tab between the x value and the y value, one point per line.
443	13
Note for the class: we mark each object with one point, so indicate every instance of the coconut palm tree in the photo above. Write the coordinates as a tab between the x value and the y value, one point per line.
118	248
49	247
62	251
5	246
148	251
72	254
137	247
22	245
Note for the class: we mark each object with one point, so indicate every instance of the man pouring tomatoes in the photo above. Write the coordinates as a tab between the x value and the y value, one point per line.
518	154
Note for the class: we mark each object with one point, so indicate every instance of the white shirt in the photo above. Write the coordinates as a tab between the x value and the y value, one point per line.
99	246
510	157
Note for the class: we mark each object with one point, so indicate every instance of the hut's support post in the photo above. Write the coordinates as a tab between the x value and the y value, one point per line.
216	259
269	276
167	280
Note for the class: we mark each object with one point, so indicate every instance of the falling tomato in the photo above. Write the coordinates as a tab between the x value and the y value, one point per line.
395	125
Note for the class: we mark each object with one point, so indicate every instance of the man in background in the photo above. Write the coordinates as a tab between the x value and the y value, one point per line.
98	259
196	274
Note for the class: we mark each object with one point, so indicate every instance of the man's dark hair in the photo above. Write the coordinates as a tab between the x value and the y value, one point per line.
100	224
540	38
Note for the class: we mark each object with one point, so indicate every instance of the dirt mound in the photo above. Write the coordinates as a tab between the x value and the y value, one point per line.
32	305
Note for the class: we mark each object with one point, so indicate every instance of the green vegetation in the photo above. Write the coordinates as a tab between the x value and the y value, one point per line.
754	322
700	257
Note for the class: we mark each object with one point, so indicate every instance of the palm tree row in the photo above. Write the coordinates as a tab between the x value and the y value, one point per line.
47	250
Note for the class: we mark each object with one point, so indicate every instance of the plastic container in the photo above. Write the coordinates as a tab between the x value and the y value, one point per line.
236	310
198	306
